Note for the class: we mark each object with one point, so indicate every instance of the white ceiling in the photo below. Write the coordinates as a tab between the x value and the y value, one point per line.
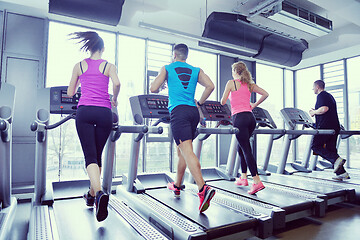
190	15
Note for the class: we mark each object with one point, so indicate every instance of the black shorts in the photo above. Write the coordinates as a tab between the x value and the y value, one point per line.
183	122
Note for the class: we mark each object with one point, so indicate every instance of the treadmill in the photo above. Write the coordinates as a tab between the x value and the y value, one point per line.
317	172
70	218
319	165
333	192
292	204
178	218
8	204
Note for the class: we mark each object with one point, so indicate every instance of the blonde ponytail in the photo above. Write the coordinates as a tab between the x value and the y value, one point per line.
245	76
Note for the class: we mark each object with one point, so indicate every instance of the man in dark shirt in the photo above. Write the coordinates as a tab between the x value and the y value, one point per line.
326	117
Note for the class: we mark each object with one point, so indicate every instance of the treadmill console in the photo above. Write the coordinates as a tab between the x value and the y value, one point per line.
293	116
214	111
149	106
263	118
61	103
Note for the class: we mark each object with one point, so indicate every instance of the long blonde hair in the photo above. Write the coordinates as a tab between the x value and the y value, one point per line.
245	76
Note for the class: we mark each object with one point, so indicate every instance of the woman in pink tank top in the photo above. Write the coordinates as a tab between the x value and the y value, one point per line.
94	118
239	92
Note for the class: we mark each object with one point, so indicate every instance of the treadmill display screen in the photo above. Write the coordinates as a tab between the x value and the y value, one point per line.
214	111
61	103
297	116
154	103
66	99
259	114
215	108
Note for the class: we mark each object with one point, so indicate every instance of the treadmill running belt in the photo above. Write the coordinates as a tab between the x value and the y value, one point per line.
77	221
306	184
216	218
2	219
269	195
327	175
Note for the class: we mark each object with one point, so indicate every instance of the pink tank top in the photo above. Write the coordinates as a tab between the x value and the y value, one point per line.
94	86
240	99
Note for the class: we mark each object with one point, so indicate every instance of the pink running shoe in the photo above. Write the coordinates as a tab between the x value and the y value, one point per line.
256	187
241	182
171	186
205	197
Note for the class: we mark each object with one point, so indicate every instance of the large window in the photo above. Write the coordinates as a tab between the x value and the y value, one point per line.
353	71
270	79
131	69
65	157
305	99
134	56
157	153
334	84
208	63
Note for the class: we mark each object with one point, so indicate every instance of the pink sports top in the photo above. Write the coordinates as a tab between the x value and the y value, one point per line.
240	99
94	85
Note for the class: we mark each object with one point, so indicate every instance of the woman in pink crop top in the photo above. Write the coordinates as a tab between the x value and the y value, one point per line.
94	117
239	92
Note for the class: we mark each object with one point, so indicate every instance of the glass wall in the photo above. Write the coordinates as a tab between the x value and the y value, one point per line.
65	157
334	84
270	79
131	71
353	73
208	63
305	99
157	154
134	56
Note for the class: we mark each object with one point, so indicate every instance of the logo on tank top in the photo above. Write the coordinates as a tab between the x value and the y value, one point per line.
184	75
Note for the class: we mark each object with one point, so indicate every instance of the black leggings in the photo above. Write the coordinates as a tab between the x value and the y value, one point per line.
245	122
93	125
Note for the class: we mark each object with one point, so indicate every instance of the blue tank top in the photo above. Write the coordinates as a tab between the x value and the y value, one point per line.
182	81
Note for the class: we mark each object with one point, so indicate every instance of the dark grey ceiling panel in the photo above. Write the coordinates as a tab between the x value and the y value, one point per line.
102	11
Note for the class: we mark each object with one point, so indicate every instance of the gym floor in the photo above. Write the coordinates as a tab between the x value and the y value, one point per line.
342	221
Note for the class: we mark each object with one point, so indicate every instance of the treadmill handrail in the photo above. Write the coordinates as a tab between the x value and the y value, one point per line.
344	134
270	131
209	131
310	132
3	125
4	129
151	129
128	129
67	118
230	130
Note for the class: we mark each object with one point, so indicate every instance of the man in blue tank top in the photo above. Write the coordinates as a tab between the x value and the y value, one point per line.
182	79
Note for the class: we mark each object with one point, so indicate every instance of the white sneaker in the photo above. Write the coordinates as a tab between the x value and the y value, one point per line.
338	163
342	176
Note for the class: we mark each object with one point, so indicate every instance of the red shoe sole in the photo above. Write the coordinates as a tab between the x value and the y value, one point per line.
259	189
207	203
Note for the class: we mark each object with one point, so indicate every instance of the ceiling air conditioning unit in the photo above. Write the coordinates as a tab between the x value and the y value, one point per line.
296	17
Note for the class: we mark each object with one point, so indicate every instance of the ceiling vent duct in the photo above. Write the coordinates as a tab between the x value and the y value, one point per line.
269	45
296	17
101	11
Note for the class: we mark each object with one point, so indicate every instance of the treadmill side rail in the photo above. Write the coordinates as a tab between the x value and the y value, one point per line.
40	226
156	213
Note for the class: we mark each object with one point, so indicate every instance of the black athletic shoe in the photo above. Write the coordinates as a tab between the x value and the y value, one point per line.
101	203
89	200
342	177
